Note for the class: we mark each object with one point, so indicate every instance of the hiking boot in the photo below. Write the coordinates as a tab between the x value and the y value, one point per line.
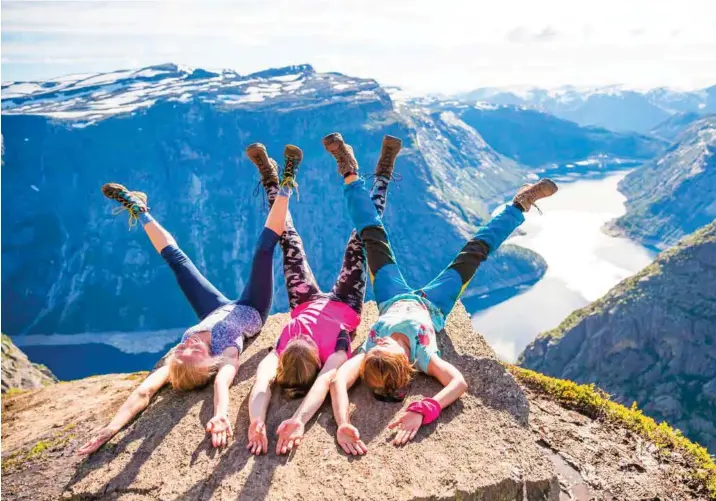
530	193
292	156
267	166
134	202
386	162
342	152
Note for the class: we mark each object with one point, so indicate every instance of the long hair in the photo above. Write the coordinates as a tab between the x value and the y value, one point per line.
189	376
298	367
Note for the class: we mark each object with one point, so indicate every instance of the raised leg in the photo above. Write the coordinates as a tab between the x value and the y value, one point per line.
385	275
201	294
258	292
351	282
449	285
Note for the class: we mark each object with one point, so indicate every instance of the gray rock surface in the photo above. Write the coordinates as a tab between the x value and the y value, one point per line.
18	372
480	447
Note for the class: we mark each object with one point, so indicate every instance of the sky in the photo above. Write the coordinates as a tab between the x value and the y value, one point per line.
425	46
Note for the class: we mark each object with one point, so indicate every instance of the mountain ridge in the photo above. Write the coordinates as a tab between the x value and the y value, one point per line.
651	339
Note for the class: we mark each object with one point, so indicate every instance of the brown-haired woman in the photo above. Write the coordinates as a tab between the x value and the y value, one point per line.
317	339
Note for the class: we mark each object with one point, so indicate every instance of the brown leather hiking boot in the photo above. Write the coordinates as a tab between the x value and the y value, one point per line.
292	156
267	166
343	153
530	193
134	202
386	162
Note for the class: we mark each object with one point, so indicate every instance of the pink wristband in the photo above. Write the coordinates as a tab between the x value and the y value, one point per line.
428	407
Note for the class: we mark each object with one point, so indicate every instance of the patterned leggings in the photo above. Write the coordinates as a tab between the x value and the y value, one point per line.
301	283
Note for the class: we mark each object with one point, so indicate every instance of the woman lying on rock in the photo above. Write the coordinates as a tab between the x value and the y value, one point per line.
403	341
212	347
317	339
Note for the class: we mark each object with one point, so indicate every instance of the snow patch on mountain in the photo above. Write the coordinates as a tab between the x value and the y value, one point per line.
89	98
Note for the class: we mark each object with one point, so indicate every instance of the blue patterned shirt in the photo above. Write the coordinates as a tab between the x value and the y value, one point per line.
229	325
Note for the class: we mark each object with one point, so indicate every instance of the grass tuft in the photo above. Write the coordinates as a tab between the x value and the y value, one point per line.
595	403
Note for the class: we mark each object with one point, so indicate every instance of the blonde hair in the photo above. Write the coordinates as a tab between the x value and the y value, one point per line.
386	372
298	367
185	377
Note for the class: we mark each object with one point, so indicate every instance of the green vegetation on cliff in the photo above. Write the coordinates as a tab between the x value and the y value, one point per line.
596	404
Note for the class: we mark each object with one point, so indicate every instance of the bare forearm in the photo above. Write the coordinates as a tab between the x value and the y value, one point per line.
221	399
340	402
313	401
259	401
135	404
454	390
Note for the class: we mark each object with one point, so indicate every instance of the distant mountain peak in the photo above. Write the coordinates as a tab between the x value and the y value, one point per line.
88	98
283	71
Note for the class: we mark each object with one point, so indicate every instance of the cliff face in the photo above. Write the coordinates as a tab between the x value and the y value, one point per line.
673	195
70	267
499	441
18	372
651	339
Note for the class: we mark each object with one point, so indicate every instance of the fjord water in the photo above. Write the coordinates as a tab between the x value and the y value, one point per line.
583	264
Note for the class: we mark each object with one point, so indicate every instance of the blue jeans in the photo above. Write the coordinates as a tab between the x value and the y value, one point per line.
205	298
448	286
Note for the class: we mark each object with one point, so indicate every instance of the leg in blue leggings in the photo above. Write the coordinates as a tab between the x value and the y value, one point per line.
385	275
258	292
201	294
449	285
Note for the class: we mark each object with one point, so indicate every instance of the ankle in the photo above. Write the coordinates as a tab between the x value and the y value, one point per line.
518	206
286	190
350	178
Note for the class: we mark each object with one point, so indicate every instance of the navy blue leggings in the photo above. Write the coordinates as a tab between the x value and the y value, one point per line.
205	298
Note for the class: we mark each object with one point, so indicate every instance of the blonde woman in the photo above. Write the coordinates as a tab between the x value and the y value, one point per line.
212	347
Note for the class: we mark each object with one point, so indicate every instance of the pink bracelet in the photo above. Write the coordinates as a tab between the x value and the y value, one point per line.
428	407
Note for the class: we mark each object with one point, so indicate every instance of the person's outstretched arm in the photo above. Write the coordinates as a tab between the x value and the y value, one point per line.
136	403
454	386
219	426
347	435
259	402
290	432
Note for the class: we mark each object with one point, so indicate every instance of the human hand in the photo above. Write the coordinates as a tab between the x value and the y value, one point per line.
408	425
220	429
258	442
348	438
99	438
290	434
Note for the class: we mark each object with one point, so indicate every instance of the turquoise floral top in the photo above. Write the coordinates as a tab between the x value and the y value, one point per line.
417	319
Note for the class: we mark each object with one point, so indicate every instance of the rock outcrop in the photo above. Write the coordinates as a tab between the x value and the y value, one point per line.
499	441
18	372
673	195
651	339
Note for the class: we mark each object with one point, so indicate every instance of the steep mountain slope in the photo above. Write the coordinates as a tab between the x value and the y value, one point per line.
651	339
671	128
18	372
499	441
537	139
674	195
179	135
612	107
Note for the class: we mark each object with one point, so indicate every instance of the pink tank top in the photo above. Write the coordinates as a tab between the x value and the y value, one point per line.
327	322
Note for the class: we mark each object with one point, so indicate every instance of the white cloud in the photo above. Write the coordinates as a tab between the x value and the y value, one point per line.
424	45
